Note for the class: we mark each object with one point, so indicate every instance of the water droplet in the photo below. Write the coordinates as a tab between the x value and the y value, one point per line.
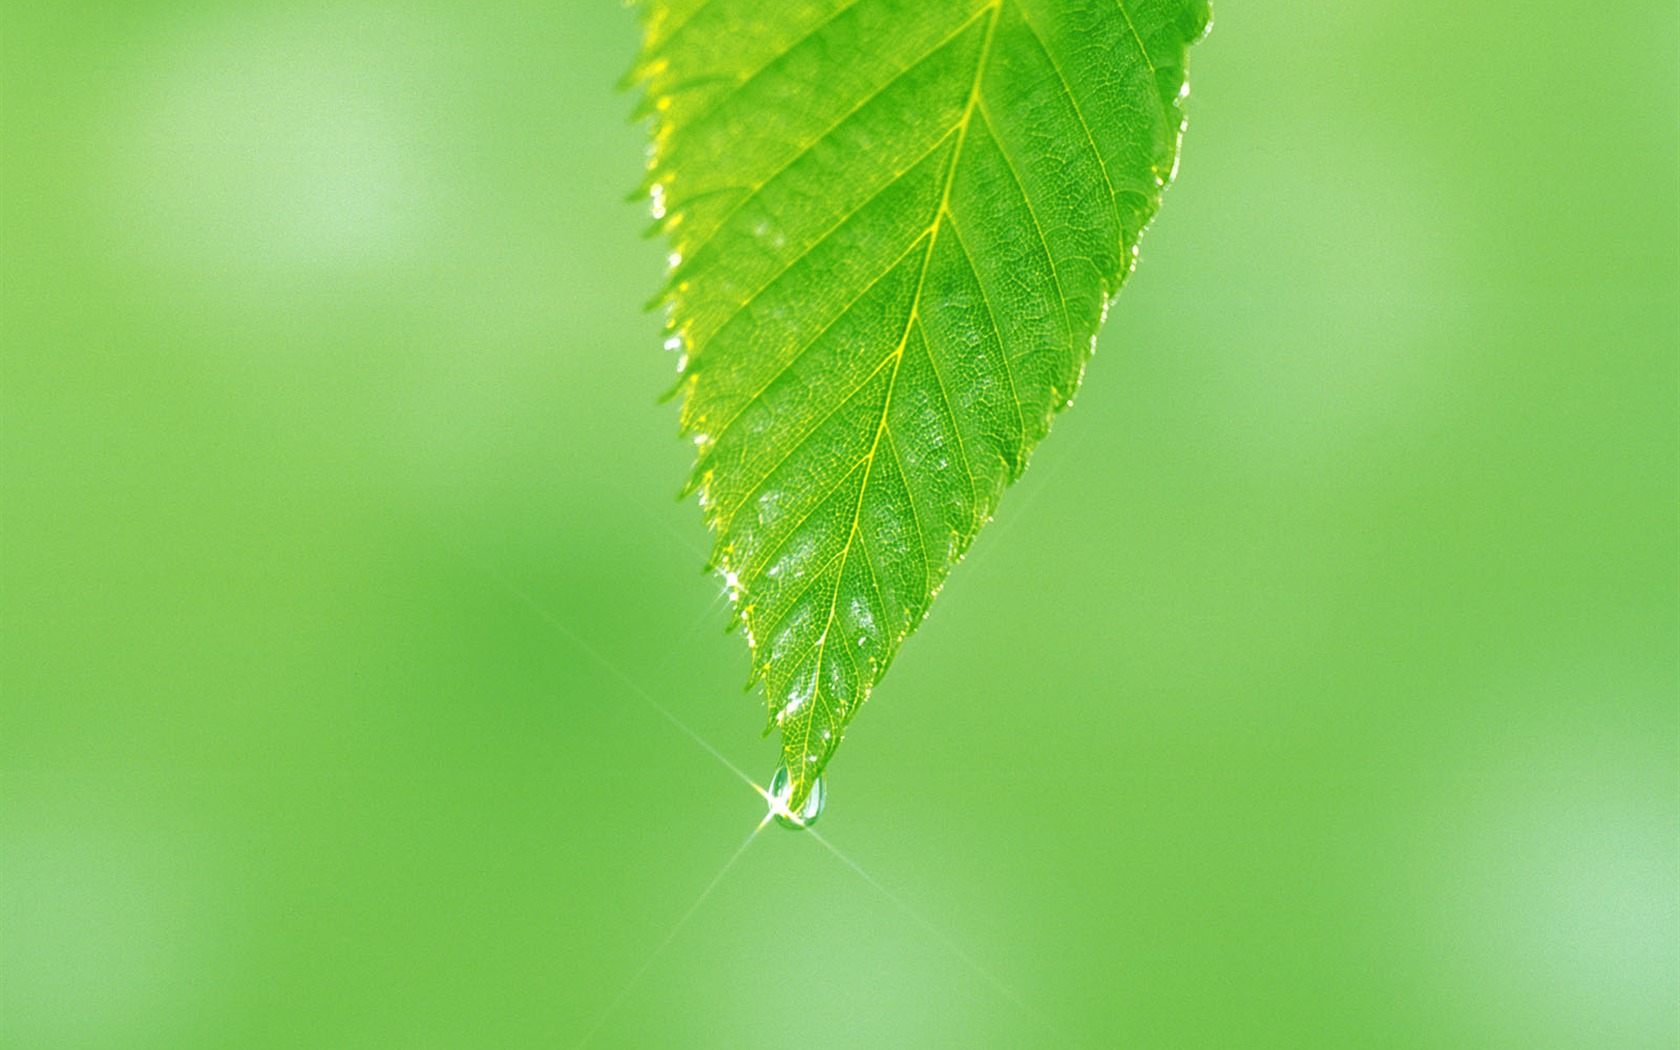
781	789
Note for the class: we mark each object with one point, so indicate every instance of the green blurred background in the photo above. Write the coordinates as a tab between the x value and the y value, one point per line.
1319	685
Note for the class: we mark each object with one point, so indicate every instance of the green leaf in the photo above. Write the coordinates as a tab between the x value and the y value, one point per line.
896	226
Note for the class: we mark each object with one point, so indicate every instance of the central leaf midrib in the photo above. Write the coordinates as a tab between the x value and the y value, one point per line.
932	235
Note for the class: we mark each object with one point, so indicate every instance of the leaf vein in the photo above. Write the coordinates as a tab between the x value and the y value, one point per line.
1078	113
941	214
816	429
1038	227
950	410
849	114
1003	348
799	354
822	239
741	82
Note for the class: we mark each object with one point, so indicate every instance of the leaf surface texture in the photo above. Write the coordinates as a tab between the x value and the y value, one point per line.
895	228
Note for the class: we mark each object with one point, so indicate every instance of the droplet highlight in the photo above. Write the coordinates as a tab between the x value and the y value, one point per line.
781	790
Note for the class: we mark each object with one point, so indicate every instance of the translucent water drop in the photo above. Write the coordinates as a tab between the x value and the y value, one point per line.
781	790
